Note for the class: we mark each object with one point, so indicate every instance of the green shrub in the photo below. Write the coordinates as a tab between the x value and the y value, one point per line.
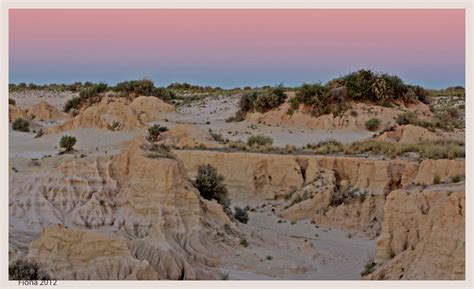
211	185
21	124
11	101
259	140
73	103
160	151
137	87
262	101
368	268
241	215
244	243
26	270
326	147
90	94
372	124
67	142
457	178
155	131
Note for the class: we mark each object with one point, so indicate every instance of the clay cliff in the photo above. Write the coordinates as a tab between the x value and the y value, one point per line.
148	202
423	234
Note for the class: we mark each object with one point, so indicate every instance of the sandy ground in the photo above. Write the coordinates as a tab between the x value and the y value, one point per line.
337	255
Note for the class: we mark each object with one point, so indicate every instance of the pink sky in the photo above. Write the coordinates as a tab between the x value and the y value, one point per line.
235	47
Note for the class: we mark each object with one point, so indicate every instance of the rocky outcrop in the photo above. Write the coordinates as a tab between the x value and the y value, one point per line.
423	234
45	111
150	108
256	175
110	113
84	255
15	112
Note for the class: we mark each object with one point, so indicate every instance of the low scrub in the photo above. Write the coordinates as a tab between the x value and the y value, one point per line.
26	270
447	119
155	131
373	124
259	140
346	196
159	151
87	96
326	147
262	101
21	124
368	268
241	215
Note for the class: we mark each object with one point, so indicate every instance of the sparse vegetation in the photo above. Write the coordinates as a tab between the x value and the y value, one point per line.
259	140
241	215
457	178
155	131
372	124
346	196
26	270
88	95
160	151
67	142
211	185
368	268
224	275
21	124
244	243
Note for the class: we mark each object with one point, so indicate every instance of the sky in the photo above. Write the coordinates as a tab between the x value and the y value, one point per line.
230	48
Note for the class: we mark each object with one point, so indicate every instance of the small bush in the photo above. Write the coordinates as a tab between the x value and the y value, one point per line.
224	275
21	124
11	101
211	185
259	140
26	270
67	142
241	215
244	243
218	137
155	131
39	133
346	196
262	101
369	268
372	124
457	178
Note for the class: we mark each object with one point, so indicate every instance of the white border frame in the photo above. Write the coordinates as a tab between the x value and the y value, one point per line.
235	4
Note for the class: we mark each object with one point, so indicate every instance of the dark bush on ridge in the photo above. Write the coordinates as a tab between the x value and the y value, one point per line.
89	94
262	101
21	124
137	87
